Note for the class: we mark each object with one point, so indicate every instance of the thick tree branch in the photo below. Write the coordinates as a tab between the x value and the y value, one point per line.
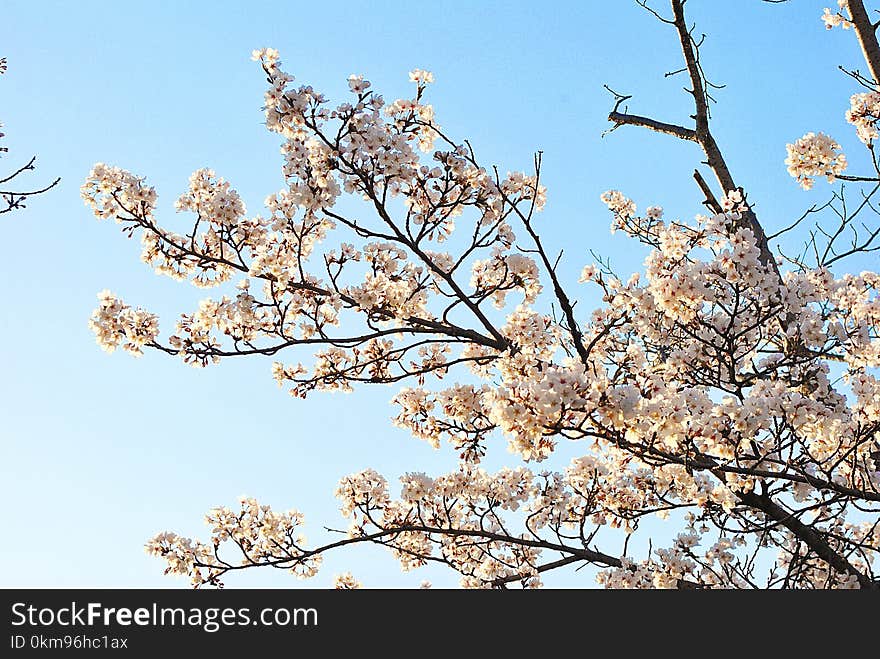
621	119
716	162
867	35
701	102
808	535
701	133
714	158
710	202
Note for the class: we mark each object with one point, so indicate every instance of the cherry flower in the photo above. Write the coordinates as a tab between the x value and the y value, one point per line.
863	114
421	77
814	155
116	324
346	581
836	18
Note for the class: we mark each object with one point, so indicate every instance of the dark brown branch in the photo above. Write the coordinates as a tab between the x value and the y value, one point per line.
710	202
808	535
441	327
857	179
23	168
567	308
562	562
578	553
716	162
867	35
705	462
15	199
704	136
621	119
701	134
574	554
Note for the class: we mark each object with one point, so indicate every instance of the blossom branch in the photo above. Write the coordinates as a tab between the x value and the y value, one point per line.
706	389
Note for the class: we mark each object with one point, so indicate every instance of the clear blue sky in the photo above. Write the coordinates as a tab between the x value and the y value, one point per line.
99	452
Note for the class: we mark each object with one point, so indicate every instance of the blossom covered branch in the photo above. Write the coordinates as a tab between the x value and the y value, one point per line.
737	399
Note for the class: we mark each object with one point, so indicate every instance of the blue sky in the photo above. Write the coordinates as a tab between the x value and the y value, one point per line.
99	452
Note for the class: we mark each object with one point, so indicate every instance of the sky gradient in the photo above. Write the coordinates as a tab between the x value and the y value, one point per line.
98	452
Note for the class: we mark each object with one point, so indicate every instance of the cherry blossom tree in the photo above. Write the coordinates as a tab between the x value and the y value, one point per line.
727	389
11	197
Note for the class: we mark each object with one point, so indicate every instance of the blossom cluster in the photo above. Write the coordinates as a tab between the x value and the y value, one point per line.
346	581
836	18
814	155
117	324
113	193
863	113
262	535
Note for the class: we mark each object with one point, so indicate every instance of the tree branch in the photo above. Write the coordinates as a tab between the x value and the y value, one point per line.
710	202
714	158
808	535
867	35
620	119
